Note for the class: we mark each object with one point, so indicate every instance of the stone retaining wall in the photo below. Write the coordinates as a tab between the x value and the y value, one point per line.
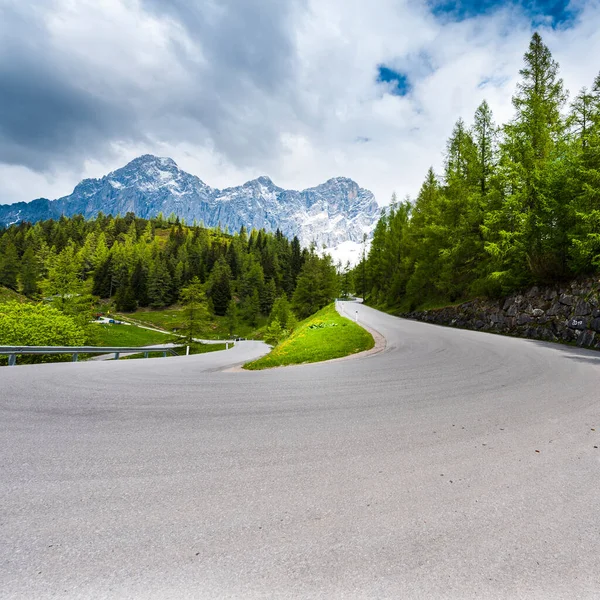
566	313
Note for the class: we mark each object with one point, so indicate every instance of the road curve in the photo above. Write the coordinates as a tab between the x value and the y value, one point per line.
454	464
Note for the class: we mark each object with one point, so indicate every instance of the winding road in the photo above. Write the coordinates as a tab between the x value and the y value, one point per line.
452	464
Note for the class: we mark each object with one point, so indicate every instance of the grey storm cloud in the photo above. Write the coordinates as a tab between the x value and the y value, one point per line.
247	39
60	106
45	113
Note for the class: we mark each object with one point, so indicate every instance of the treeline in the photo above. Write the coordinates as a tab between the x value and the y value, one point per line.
137	263
516	205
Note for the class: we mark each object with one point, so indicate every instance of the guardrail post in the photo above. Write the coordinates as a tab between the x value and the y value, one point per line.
116	355
12	360
165	354
75	356
226	345
145	355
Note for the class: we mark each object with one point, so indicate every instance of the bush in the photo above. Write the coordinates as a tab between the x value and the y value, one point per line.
37	325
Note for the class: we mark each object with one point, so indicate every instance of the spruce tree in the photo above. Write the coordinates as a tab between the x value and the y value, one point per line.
195	309
29	273
9	266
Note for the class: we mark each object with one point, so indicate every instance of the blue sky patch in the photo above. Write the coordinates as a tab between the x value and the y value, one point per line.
400	85
555	12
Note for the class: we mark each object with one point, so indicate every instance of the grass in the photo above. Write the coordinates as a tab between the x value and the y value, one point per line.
6	295
323	336
127	335
173	318
195	348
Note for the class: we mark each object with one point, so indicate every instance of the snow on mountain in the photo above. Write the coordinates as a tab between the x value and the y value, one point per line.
331	214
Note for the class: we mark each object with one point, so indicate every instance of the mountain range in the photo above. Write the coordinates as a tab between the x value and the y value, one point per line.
333	214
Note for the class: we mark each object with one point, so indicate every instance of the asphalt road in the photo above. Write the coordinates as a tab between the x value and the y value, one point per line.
453	464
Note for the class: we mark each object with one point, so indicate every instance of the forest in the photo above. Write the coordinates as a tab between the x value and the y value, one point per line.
516	205
127	263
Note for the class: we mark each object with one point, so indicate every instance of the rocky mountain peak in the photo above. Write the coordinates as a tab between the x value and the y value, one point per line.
329	214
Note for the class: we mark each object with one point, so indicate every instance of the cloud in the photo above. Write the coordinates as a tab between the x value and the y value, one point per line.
301	90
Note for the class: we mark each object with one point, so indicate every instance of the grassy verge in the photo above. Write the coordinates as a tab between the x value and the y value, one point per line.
323	336
127	335
195	348
173	318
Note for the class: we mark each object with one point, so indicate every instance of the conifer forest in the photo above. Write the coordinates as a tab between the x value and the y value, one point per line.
516	204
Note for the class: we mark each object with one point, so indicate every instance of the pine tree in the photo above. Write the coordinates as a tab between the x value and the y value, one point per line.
196	311
9	266
219	286
232	317
274	332
63	277
267	296
281	310
484	131
159	284
251	308
316	285
125	299
533	138
139	283
29	273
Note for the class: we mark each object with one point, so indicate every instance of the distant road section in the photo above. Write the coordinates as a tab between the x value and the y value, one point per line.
451	465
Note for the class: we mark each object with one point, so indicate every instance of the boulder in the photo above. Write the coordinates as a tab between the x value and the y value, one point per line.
578	323
554	310
586	339
583	308
566	299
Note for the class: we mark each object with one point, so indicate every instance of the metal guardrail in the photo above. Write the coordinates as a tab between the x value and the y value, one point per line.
75	351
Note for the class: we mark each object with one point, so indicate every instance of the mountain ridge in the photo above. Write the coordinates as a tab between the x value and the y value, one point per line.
328	214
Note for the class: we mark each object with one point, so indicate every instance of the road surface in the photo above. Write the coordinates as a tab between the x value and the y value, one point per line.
454	464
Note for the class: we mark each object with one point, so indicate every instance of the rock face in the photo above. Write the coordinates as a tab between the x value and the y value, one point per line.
332	213
570	313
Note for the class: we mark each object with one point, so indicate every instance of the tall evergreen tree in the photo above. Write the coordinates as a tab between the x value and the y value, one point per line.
29	273
159	284
9	266
195	307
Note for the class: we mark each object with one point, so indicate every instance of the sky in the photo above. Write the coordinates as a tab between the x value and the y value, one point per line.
299	90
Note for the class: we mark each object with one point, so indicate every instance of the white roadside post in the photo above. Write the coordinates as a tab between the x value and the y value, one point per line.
356	316
187	352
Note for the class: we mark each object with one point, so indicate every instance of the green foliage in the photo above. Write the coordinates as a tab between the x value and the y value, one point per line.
9	266
195	348
251	308
323	336
281	310
24	324
219	287
132	262
170	319
29	273
195	309
274	332
232	317
63	280
316	286
125	299
128	335
159	286
515	206
6	295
